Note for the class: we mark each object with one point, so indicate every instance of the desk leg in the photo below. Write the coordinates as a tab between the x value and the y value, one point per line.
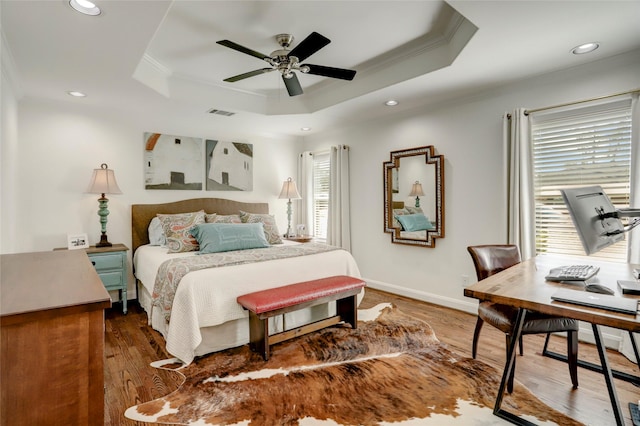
635	380
511	356
606	371
635	348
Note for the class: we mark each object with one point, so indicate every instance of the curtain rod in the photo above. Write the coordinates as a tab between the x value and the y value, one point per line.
529	111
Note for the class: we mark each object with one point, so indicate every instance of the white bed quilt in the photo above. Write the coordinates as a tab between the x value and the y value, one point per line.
207	297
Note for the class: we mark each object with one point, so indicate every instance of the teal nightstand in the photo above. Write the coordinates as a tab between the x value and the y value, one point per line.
111	265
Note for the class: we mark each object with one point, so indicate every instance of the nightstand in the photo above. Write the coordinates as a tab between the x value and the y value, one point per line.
300	238
111	265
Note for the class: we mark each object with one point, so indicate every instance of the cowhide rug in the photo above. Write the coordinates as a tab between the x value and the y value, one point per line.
389	370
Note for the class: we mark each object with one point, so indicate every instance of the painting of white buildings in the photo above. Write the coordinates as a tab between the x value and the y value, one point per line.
229	166
172	162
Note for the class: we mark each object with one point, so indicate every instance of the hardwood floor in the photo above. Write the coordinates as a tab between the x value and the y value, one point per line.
131	345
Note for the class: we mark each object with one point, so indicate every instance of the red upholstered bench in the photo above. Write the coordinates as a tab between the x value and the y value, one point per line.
265	304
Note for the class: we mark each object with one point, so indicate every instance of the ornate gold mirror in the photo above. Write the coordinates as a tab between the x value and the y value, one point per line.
414	196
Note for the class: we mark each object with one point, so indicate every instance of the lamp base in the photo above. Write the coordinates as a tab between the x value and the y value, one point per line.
104	242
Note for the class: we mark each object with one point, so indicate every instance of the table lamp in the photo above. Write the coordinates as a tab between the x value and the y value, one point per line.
290	192
416	191
103	182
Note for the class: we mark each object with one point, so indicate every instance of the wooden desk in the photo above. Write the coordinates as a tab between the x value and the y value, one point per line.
524	286
52	339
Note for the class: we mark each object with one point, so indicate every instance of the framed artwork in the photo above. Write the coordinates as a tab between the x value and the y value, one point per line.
172	162
229	166
77	241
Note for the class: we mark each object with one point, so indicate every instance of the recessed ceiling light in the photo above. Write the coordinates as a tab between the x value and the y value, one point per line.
305	129
585	48
391	102
76	94
85	6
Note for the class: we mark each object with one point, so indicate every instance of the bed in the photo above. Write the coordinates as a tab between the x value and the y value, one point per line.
204	316
419	231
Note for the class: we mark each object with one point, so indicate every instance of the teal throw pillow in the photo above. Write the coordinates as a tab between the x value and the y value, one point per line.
219	237
414	222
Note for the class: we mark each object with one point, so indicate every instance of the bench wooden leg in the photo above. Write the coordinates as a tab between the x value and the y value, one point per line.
347	309
259	339
259	335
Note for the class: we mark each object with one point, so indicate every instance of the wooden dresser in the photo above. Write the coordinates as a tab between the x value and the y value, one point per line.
51	339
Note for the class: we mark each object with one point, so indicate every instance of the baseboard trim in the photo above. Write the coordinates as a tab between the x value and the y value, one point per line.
612	338
470	307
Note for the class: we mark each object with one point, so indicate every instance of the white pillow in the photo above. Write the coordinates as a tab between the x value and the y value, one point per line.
156	233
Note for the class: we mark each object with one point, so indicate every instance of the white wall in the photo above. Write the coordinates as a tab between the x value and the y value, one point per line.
10	92
59	145
468	132
8	156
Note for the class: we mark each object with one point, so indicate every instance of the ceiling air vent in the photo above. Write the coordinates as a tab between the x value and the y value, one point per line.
221	112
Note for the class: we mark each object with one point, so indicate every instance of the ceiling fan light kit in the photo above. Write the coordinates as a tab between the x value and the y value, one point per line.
288	61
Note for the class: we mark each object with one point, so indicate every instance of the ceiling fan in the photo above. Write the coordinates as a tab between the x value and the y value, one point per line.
287	61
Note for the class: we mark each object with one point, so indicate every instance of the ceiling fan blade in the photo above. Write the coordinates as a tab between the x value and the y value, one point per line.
248	74
340	73
236	46
293	85
309	46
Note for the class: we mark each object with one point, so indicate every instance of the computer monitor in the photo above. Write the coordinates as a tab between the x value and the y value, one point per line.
594	217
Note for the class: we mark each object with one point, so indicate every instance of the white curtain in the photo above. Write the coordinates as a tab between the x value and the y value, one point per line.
304	212
338	224
634	202
520	200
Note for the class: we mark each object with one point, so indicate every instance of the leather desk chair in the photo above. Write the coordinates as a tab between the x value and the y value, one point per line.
491	259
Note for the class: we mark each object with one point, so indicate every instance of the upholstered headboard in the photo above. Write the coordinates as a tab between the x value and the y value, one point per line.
397	205
141	214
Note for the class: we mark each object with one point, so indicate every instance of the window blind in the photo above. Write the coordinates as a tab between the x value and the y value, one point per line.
580	147
320	195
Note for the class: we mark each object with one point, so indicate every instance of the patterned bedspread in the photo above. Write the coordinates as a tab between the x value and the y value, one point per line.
172	271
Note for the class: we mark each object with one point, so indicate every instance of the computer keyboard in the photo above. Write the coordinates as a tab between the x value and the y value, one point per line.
572	273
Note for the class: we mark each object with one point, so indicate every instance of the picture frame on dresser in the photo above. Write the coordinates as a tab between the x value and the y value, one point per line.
77	241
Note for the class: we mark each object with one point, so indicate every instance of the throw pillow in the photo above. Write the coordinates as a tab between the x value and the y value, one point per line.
270	228
177	229
220	237
414	222
227	218
396	213
414	210
156	233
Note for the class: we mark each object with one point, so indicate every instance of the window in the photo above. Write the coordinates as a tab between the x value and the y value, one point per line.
573	148
320	195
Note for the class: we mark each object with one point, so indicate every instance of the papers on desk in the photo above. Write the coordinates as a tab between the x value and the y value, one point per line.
594	300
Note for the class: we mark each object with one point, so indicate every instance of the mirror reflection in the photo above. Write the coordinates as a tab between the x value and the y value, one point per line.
414	196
